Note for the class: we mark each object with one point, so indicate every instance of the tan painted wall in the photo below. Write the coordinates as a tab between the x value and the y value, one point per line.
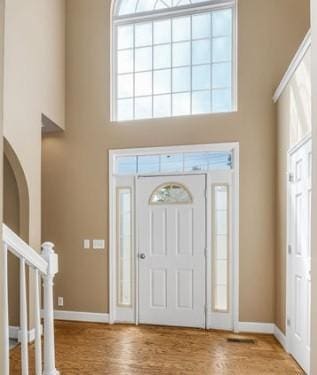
294	122
75	204
314	198
11	217
34	79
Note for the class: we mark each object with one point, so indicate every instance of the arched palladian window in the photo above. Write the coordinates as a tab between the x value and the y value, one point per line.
171	193
173	58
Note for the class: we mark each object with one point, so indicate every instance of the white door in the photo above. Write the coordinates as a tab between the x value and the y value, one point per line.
300	255
171	234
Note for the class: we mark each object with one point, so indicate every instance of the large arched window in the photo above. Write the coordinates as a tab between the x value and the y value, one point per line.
173	58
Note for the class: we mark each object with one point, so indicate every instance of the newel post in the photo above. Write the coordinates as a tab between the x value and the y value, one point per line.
51	258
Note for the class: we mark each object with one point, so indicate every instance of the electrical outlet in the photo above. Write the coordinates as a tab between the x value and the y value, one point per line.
60	301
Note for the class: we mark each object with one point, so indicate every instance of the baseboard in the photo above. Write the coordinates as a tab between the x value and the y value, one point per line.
77	316
252	327
280	337
15	333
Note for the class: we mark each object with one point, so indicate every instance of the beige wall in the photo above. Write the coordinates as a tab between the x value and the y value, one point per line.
314	198
294	122
75	171
33	84
11	217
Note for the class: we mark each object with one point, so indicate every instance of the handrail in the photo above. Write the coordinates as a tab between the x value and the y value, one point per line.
22	250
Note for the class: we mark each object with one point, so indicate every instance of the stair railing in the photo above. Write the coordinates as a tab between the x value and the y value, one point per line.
44	266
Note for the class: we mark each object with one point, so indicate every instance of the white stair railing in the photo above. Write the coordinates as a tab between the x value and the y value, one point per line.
44	266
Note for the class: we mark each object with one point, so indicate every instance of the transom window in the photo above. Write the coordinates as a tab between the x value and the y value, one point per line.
173	62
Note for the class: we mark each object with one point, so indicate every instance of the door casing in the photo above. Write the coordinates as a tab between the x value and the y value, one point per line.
214	320
289	262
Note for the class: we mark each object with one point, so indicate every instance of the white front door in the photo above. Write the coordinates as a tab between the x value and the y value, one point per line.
171	231
300	255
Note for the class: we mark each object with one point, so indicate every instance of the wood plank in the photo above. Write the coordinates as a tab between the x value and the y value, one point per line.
88	348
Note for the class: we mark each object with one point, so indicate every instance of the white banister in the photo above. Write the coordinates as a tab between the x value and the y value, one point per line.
44	265
23	321
6	365
23	251
38	343
49	342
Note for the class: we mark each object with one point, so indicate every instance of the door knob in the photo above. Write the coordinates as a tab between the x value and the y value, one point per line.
142	256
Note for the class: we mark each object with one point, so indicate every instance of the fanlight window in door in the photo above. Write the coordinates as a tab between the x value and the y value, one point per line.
171	193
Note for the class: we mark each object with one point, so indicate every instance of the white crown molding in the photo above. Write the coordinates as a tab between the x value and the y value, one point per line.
300	54
77	316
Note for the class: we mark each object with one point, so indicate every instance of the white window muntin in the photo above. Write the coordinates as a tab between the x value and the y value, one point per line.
170	14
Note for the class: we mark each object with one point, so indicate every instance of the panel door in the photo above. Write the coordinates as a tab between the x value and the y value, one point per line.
300	255
171	229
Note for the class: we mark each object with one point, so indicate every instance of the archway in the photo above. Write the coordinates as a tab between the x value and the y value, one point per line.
15	216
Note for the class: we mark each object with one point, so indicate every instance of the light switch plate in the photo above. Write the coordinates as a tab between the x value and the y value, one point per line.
98	244
86	244
60	301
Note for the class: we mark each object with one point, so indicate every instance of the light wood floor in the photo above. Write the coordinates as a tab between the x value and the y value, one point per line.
99	349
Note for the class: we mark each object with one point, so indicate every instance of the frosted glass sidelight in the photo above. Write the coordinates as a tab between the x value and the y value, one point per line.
220	234
124	246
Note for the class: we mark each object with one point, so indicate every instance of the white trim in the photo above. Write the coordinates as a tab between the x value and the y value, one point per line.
280	337
300	54
113	154
23	251
253	327
77	316
15	333
299	144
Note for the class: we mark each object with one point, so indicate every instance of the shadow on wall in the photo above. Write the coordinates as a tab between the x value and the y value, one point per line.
15	216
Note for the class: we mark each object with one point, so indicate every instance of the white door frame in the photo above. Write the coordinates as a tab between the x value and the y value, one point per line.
289	267
234	148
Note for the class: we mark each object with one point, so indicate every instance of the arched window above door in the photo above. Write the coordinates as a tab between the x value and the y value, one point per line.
171	193
173	58
138	6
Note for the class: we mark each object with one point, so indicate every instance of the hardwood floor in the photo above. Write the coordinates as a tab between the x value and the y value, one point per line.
98	349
